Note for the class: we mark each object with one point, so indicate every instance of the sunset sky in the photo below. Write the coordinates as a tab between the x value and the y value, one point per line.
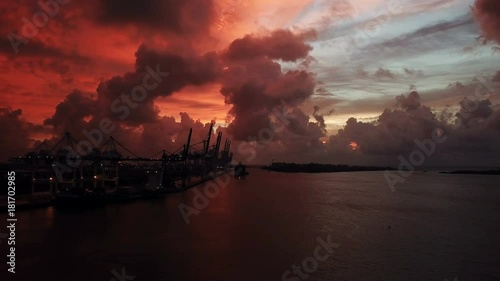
235	61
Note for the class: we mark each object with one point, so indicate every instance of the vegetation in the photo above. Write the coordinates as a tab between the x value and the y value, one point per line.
490	172
319	168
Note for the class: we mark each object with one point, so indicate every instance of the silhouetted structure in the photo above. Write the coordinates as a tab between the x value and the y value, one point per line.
319	168
112	172
240	171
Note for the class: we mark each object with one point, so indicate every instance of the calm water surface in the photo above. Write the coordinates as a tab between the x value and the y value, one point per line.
441	227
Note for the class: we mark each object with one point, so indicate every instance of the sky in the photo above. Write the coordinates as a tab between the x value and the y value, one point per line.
358	81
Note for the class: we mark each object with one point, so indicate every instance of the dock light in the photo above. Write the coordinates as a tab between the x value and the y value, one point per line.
95	177
51	179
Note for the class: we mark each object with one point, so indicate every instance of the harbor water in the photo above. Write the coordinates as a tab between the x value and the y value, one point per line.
431	227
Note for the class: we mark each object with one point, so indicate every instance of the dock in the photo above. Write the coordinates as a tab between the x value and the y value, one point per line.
111	173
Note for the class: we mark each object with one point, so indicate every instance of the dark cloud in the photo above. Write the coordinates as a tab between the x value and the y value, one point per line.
170	134
410	102
320	118
473	110
15	133
71	113
382	73
254	84
280	44
457	85
322	91
183	17
496	78
136	121
475	133
487	13
470	136
394	131
34	48
179	71
256	88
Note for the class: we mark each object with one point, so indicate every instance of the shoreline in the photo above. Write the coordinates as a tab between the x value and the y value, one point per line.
470	172
315	168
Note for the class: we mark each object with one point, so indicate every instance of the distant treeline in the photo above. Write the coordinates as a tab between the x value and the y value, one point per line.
319	168
490	172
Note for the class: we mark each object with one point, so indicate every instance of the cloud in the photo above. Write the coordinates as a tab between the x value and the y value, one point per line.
389	75
93	44
496	78
410	102
15	133
487	13
254	83
414	73
481	111
181	70
410	38
457	85
437	36
320	118
382	73
137	123
394	131
280	44
70	114
470	135
185	18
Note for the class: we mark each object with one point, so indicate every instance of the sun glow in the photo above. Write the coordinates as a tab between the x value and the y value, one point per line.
354	145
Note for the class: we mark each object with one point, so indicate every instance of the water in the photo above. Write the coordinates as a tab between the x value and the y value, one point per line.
441	227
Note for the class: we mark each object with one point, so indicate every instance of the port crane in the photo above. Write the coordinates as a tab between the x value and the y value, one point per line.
65	166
